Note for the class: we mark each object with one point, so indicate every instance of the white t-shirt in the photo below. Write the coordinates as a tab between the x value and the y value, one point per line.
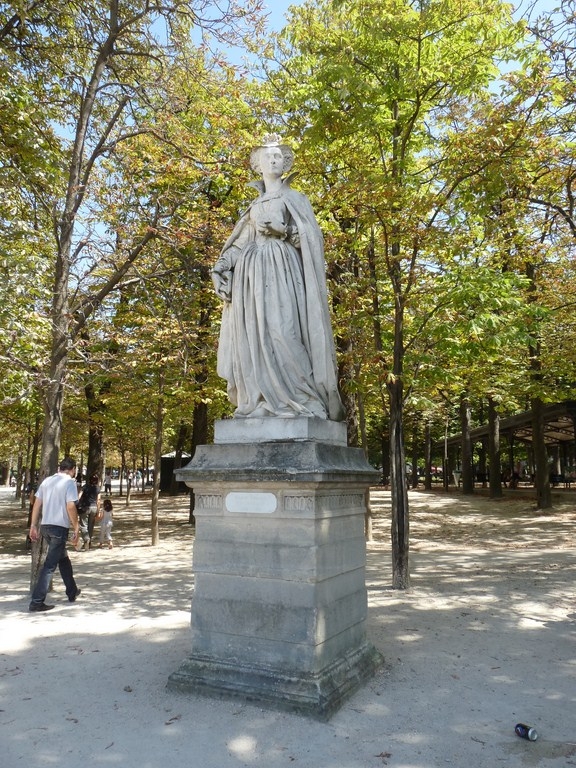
56	491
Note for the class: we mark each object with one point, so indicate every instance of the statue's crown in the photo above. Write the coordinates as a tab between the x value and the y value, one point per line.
271	140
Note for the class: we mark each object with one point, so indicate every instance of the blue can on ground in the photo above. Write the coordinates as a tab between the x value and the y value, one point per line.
526	732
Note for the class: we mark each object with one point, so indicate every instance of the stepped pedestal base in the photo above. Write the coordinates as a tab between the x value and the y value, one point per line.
279	606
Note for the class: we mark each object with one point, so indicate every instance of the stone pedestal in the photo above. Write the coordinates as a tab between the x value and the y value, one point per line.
279	606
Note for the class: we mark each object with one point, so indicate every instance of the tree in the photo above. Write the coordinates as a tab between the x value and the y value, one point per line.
528	206
371	86
104	71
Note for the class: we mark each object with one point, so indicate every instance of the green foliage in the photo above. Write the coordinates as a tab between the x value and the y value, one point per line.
377	89
113	128
435	139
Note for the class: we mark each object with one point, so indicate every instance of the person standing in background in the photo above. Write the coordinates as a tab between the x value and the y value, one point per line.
90	505
106	523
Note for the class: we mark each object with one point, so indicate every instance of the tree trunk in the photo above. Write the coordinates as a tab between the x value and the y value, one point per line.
96	407
541	474
494	461
415	456
542	478
482	460
37	437
157	461
395	386
467	467
399	491
52	395
368	532
53	401
122	471
385	442
427	457
368	519
199	426
64	229
143	465
445	461
350	400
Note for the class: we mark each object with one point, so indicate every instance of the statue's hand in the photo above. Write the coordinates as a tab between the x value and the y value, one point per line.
273	229
223	283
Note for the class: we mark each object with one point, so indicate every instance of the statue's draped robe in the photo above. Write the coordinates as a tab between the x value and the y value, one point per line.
276	347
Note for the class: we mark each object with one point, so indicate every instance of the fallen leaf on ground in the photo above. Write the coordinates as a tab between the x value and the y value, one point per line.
173	720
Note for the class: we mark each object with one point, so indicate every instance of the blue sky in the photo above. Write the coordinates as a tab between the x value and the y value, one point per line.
277	10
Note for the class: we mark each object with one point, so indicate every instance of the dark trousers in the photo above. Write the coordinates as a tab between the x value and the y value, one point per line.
57	555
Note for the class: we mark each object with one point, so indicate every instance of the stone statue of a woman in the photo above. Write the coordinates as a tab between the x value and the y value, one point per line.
276	347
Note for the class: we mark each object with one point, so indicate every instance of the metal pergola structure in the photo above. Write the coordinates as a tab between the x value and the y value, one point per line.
559	426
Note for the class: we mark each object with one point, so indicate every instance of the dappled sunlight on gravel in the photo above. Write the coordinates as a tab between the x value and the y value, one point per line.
484	638
437	521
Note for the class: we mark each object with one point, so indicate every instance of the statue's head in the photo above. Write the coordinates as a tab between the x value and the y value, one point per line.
271	140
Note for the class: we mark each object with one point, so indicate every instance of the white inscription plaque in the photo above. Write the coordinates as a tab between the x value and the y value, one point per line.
259	502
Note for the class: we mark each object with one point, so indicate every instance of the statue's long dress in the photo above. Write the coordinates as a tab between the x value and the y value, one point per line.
268	347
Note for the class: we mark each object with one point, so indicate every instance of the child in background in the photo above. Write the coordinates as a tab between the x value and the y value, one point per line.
106	523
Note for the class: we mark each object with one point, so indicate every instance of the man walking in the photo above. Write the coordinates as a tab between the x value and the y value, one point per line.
56	497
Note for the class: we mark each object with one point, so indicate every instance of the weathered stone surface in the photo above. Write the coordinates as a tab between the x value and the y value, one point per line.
277	430
289	461
279	607
314	694
276	349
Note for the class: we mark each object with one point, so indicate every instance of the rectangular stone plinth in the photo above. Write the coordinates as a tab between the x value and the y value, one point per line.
274	430
279	607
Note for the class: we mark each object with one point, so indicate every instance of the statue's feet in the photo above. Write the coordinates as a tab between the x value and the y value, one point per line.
260	413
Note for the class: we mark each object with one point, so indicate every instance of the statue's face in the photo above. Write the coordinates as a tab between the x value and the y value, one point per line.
271	161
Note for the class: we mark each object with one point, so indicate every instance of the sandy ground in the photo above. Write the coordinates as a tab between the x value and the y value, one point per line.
485	638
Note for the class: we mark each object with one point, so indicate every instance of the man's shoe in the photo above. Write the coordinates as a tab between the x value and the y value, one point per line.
73	598
39	607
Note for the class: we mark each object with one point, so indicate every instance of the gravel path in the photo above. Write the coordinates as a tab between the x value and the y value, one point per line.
484	638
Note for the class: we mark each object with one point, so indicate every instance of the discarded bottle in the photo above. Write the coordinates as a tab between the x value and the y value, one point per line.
526	732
